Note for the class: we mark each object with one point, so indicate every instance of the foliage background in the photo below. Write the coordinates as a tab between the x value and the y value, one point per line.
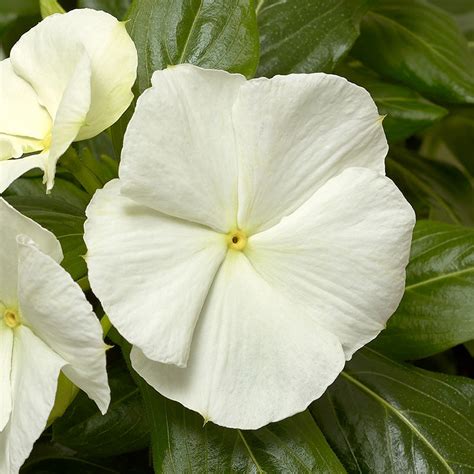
403	404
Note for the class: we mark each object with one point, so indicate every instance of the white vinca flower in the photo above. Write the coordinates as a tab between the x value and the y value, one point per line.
252	243
46	326
67	79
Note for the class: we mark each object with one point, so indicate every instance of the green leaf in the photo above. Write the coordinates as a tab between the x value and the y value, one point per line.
406	111
61	212
420	46
452	140
463	13
123	429
118	8
436	190
20	7
381	416
437	309
216	34
50	7
306	35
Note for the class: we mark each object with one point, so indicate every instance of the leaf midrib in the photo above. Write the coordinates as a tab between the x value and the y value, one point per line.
399	415
443	276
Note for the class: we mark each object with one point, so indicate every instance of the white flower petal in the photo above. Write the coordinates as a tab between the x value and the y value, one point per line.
55	308
47	55
342	254
294	133
255	357
24	123
71	115
179	150
151	272
14	223
6	348
13	169
35	371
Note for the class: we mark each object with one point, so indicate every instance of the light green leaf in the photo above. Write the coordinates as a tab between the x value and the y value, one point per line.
437	309
216	34
306	35
420	46
406	112
50	7
384	417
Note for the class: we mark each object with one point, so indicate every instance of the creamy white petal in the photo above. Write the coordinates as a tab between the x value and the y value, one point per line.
6	348
55	308
47	55
294	133
13	169
71	115
35	371
342	254
255	357
179	154
151	272
24	123
14	223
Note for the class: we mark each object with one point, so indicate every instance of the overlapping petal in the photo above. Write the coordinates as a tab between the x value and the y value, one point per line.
152	272
12	224
256	357
57	43
293	134
179	154
6	350
23	121
54	307
34	375
342	254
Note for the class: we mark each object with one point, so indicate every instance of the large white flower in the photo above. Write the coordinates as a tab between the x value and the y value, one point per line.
252	243
46	325
67	79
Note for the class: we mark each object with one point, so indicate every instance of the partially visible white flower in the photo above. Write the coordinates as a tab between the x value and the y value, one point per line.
252	243
46	325
67	79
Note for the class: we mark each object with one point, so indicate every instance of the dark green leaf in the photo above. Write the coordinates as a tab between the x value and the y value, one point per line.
420	46
436	190
182	444
380	416
61	212
463	13
437	310
452	140
306	35
118	8
407	112
216	34
123	429
20	7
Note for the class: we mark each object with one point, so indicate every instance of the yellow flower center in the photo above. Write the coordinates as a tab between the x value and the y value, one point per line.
11	318
236	239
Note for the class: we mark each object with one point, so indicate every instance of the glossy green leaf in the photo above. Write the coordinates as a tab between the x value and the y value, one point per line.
420	46
50	7
123	429
306	35
182	444
216	34
381	416
62	212
436	190
118	8
437	309
406	112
